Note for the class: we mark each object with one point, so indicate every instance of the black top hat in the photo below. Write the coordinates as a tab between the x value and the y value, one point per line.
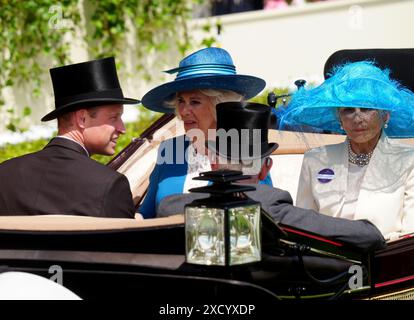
250	124
398	61
84	85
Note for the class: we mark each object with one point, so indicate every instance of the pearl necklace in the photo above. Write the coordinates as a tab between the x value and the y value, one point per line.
361	160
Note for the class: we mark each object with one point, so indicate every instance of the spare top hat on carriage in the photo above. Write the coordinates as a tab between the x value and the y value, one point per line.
250	123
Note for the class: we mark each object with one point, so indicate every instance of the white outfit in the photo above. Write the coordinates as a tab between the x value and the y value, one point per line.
386	192
196	163
27	286
355	178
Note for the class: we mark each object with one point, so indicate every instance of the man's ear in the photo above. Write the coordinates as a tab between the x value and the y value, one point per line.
267	165
80	116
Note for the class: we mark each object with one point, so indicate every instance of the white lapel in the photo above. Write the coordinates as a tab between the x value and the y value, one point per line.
341	182
377	163
332	194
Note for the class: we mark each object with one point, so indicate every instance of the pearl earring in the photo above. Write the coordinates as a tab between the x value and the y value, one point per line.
385	125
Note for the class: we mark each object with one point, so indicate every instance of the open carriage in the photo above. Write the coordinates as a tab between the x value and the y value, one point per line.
105	258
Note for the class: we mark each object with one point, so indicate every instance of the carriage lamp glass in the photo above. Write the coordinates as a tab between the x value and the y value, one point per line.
223	229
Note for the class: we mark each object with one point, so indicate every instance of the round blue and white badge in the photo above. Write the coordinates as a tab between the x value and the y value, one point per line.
325	175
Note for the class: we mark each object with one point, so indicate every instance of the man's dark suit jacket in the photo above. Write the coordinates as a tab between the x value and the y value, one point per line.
278	203
62	179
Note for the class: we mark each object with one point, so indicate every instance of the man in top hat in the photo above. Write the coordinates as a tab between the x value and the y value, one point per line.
61	178
250	154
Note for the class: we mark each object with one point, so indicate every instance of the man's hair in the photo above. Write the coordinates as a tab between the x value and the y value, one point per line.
64	120
216	97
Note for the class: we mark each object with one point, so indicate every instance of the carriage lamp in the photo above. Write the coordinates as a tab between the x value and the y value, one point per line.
223	229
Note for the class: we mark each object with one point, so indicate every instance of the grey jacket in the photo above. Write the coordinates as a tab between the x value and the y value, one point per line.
278	203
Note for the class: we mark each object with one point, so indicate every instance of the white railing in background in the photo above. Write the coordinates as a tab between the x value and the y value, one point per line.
286	44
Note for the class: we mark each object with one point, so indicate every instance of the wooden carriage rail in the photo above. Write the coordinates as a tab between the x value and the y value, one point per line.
124	154
290	142
165	261
81	223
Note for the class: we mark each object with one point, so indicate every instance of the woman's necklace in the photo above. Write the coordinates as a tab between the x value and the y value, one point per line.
361	160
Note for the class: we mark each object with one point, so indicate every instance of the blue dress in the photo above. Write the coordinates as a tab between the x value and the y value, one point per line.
169	174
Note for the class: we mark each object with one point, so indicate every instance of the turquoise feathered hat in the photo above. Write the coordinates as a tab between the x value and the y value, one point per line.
360	85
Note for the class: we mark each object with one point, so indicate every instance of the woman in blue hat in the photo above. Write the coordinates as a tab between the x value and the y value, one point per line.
204	79
369	176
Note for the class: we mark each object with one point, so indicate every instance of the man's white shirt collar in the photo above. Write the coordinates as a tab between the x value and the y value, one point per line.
64	137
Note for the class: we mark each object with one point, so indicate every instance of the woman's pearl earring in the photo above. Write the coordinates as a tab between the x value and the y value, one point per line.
385	125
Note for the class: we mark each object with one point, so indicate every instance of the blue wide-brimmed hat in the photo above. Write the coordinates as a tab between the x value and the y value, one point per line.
356	85
209	68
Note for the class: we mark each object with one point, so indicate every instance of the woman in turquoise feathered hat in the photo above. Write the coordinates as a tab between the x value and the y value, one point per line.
369	176
204	79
